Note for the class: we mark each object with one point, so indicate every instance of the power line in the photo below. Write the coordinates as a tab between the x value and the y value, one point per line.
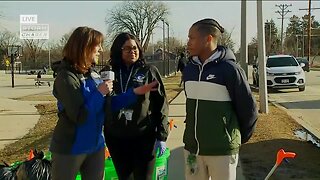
283	12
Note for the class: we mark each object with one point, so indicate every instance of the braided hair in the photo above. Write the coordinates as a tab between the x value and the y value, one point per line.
209	26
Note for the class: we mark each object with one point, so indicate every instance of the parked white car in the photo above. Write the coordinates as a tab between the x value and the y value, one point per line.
283	72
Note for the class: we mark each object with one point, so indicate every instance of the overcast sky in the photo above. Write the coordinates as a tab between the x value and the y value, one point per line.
64	16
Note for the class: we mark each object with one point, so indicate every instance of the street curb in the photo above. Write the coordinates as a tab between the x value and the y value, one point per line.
314	69
279	106
296	119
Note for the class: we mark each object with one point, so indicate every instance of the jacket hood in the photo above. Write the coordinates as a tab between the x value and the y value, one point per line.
224	54
60	65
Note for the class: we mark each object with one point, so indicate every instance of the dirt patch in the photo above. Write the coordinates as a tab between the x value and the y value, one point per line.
39	136
275	131
37	97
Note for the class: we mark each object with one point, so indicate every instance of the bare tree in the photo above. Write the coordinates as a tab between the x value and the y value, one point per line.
226	40
253	50
64	39
56	47
137	17
175	45
7	38
33	48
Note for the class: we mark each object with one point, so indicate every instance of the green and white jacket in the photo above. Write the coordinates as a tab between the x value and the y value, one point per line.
221	111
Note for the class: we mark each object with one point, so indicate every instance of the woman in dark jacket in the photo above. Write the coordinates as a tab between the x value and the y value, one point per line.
135	133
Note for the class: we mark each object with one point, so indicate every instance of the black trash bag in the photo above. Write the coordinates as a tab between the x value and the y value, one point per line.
37	168
7	172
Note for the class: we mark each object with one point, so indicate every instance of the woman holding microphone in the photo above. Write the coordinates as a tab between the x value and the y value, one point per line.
77	143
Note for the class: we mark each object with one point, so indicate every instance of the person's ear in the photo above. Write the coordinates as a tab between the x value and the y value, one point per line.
210	38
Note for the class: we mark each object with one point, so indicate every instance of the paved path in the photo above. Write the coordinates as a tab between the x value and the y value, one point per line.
17	117
303	106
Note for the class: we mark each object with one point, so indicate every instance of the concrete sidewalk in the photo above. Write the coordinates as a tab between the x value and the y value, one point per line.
17	117
175	144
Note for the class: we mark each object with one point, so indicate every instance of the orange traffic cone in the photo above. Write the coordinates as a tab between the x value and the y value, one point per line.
31	155
107	153
171	123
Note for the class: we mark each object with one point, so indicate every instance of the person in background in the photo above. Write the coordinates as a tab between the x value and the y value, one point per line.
77	142
181	65
39	78
135	133
221	111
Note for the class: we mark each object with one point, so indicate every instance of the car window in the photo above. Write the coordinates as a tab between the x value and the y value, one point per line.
281	61
302	60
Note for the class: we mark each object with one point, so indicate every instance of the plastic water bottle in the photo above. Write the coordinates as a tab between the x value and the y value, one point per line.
192	163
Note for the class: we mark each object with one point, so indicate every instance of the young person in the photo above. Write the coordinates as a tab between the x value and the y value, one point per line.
221	112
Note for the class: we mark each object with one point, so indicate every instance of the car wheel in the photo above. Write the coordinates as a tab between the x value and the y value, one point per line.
302	88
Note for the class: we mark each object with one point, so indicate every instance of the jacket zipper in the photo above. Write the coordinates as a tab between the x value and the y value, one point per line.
197	104
196	113
225	128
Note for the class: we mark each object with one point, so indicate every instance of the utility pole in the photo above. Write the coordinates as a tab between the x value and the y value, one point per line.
244	46
49	58
263	93
269	46
309	28
283	12
168	49
309	31
164	48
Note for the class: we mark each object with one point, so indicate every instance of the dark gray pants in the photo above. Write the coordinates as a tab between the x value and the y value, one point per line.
91	166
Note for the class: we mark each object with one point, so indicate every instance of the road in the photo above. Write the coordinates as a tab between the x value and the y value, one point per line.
303	106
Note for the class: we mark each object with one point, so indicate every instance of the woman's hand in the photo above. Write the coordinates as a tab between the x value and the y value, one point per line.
146	88
105	87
